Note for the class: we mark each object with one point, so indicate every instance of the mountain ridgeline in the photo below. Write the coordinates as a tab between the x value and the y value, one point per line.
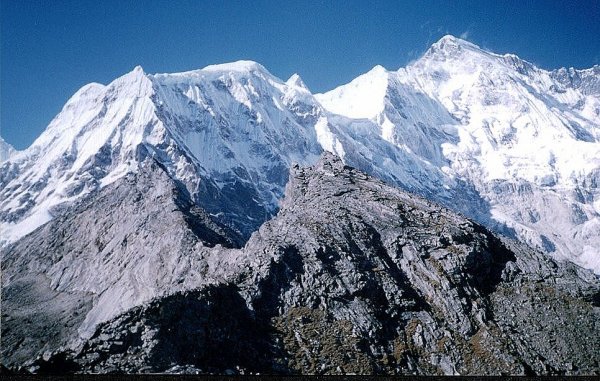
351	276
443	218
490	136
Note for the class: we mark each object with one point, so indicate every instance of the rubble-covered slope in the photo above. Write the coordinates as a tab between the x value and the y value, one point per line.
355	276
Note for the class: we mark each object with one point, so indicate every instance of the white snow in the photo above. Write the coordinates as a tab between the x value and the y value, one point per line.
327	139
11	232
6	150
478	132
489	135
361	98
239	66
510	128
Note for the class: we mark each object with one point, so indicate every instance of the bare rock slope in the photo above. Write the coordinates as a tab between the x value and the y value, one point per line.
133	241
351	276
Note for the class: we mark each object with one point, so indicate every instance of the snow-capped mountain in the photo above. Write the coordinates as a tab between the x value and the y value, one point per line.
6	150
526	139
228	133
494	137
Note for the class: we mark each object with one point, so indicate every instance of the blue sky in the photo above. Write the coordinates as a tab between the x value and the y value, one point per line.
49	49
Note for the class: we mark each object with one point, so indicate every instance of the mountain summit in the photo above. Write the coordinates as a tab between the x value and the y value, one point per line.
513	146
223	221
527	140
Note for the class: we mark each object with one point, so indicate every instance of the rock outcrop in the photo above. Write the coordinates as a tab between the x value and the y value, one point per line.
135	240
351	276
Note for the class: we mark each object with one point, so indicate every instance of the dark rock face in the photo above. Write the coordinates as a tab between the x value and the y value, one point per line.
424	290
212	328
586	80
355	276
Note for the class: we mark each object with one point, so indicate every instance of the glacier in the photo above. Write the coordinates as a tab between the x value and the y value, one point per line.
494	137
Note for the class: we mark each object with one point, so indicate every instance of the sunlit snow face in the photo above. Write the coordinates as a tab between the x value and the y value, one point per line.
491	136
504	121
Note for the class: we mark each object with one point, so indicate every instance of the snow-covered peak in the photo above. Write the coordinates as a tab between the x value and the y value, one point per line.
237	66
135	83
64	127
239	73
93	103
450	47
227	132
451	54
506	106
378	71
6	150
496	122
361	98
489	135
450	40
93	141
296	81
87	91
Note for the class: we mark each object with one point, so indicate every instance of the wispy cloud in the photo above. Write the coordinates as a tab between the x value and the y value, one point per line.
467	34
434	32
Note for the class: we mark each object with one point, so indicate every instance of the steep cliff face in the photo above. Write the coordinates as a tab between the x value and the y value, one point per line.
413	287
351	276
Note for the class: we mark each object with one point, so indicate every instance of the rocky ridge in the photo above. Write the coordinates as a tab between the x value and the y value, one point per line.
135	240
402	285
